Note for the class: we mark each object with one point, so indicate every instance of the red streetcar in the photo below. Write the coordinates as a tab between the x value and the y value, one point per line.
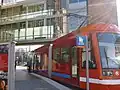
69	60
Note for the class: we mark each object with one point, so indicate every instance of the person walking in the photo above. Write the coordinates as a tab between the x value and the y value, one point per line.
29	64
15	64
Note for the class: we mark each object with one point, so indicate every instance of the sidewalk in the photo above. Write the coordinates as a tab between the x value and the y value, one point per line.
26	81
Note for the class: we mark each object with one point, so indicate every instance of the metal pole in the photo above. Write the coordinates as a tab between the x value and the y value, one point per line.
65	22
87	65
50	61
11	68
87	4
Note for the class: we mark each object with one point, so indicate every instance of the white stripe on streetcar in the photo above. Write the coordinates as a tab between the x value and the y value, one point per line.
98	81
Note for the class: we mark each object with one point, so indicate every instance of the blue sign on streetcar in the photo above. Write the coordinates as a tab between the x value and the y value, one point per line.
80	40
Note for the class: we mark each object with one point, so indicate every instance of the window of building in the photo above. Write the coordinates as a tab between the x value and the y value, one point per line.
36	32
16	34
73	1
50	31
9	31
82	0
39	7
23	9
29	31
1	35
8	27
31	9
3	30
3	12
22	25
15	30
39	23
65	55
30	24
22	30
56	54
22	34
9	11
14	26
92	63
50	21
16	10
38	29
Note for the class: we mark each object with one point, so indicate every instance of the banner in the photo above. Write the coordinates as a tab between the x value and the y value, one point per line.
4	67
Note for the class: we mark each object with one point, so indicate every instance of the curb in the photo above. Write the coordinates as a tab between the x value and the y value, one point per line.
55	84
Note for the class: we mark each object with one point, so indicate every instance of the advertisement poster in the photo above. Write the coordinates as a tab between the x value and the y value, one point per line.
4	67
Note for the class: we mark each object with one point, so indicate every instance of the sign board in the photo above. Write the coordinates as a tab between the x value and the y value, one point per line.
4	66
80	40
7	71
83	41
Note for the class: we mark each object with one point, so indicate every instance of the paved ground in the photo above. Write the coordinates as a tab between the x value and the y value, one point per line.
25	81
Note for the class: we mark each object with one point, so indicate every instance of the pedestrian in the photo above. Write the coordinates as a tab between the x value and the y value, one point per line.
29	64
15	64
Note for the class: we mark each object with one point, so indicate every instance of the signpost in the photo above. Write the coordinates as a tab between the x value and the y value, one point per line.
11	66
7	70
83	41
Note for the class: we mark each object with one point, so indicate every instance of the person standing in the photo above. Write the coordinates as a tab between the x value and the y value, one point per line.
15	64
29	64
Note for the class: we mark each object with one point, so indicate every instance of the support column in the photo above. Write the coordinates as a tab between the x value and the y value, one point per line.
26	29
26	23
45	8
11	68
50	61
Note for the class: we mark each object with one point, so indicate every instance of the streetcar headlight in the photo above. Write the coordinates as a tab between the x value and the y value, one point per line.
107	73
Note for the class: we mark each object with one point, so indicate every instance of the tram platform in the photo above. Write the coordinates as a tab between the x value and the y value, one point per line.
26	81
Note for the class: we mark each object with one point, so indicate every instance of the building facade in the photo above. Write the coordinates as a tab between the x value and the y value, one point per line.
78	14
92	12
102	11
31	20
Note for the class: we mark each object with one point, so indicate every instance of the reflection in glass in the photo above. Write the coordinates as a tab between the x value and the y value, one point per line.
109	45
29	33
22	34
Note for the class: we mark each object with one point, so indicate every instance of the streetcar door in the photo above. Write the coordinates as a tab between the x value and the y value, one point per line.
75	66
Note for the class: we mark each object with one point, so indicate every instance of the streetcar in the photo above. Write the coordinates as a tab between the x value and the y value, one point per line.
68	61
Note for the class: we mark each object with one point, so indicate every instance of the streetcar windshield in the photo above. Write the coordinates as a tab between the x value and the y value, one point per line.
109	45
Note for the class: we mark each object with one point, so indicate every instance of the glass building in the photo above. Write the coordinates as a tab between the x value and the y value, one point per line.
27	20
78	10
33	21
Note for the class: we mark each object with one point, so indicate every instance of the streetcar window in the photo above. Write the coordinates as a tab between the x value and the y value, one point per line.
74	61
65	55
56	54
74	55
91	59
109	46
